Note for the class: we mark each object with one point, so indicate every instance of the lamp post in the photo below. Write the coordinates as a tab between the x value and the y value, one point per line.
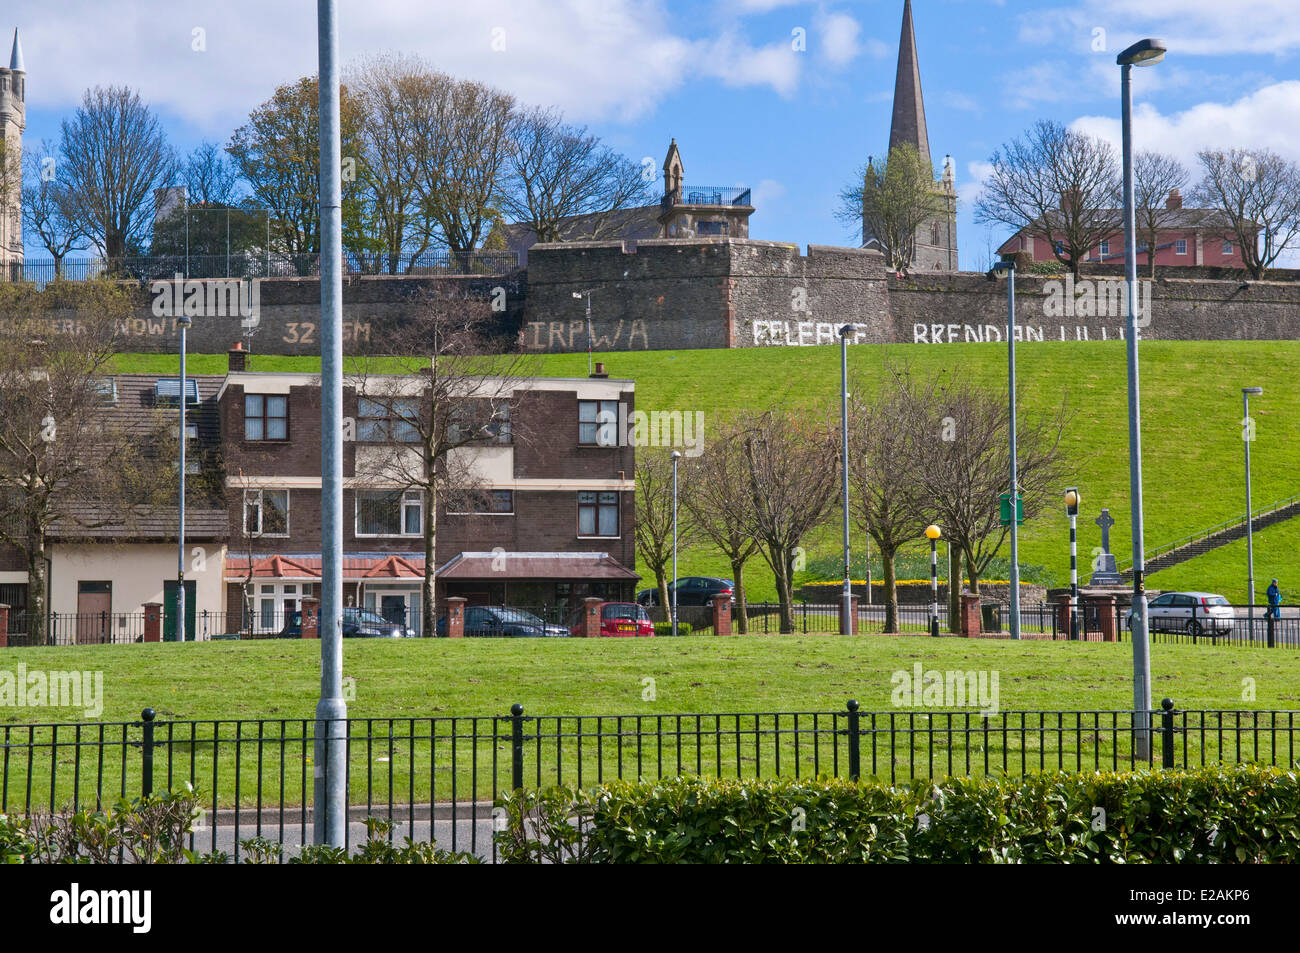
846	597
932	533
677	455
329	796
1072	499
586	294
1009	266
184	322
1146	52
1248	435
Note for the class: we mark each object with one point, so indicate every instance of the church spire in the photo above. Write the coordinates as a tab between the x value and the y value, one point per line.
908	125
16	57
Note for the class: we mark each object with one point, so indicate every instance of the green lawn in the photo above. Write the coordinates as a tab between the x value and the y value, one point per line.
280	679
413	739
1192	450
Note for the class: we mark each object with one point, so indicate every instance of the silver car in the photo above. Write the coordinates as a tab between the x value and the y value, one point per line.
1194	613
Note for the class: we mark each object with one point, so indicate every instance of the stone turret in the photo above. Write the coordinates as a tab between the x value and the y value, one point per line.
13	120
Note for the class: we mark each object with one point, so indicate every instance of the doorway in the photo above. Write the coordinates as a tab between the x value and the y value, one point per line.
169	610
94	612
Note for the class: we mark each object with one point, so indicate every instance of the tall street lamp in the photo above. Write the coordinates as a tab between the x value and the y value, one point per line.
329	796
677	455
1248	435
587	295
932	533
1146	52
1009	266
1072	499
846	597
184	322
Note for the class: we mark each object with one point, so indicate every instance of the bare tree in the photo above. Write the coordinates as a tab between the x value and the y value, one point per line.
391	91
1054	184
709	490
63	458
423	416
461	136
1259	192
47	214
114	155
556	171
1155	177
789	486
889	203
208	176
889	435
966	469
654	517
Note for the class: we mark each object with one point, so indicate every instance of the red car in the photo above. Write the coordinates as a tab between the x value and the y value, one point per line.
617	620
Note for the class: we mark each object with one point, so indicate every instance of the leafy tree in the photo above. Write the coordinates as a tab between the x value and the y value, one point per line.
890	203
277	153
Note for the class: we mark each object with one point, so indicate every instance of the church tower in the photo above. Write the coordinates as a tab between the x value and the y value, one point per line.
13	120
936	240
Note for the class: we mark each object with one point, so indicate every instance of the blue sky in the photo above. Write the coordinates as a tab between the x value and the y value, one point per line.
722	77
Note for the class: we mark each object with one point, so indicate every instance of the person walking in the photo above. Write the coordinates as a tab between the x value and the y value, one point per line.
1274	601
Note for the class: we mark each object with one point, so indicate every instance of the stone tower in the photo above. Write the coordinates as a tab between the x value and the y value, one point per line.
13	120
936	240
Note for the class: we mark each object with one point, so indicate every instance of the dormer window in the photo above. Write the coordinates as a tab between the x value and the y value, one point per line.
167	389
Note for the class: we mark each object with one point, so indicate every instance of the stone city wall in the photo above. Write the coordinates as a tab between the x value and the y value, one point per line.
668	294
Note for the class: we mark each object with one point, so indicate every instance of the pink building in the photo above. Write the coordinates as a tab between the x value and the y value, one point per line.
1188	236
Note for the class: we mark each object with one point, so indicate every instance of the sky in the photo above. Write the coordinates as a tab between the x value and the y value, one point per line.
786	97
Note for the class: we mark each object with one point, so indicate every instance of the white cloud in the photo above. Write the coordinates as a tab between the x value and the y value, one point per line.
1190	27
1266	118
595	59
839	36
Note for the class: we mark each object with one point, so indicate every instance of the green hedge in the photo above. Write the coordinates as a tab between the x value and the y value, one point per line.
1242	814
666	628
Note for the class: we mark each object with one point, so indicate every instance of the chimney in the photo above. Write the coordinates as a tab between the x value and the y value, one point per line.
1175	200
599	371
237	358
1070	200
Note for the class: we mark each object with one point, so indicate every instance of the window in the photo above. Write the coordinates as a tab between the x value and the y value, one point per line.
597	514
166	389
1227	246
597	423
481	422
266	512
392	419
390	513
711	228
1180	246
1105	247
484	502
105	391
266	417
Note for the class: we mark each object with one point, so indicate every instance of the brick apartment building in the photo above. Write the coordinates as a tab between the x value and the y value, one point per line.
550	520
1187	237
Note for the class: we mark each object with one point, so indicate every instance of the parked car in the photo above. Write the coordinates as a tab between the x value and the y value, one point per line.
1191	612
691	591
503	622
357	624
617	620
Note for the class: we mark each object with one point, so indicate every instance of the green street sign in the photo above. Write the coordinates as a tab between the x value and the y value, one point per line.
1004	509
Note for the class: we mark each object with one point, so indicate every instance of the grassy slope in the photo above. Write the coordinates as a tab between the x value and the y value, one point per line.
1191	432
551	677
